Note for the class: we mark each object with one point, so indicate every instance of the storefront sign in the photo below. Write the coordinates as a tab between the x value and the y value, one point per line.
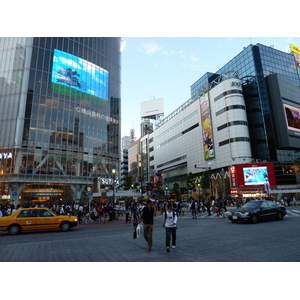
233	176
107	181
5	155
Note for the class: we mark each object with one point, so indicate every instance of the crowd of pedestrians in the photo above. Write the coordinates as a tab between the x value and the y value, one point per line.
7	210
103	211
209	206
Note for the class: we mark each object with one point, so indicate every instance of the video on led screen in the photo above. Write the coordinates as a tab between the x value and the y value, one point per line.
255	175
79	74
292	116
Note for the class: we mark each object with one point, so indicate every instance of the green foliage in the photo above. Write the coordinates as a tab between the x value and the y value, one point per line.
205	180
176	190
128	182
190	182
149	186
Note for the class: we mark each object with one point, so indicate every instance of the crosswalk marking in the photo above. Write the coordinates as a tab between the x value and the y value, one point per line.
293	213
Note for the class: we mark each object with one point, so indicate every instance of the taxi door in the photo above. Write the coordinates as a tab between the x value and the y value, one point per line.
27	219
46	219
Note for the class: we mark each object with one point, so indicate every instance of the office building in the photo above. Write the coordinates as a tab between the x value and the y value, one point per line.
60	116
241	125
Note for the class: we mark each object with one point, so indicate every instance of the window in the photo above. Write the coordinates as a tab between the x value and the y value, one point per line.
265	204
28	213
44	213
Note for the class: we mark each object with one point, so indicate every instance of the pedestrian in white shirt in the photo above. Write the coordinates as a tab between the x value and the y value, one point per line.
170	224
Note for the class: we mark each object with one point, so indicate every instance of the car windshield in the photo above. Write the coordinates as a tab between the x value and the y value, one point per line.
254	204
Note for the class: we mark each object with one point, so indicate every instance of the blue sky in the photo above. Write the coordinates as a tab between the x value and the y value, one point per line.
166	67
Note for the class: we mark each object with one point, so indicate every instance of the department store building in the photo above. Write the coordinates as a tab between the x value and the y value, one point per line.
241	124
59	117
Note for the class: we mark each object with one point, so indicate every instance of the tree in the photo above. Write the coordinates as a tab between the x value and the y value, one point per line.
128	182
149	186
190	182
176	190
205	181
159	191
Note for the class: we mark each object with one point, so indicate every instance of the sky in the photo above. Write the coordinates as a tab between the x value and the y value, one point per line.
166	67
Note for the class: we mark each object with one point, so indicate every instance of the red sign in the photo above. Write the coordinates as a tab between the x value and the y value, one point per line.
253	176
233	177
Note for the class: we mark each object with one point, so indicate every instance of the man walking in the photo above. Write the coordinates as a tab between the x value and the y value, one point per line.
147	214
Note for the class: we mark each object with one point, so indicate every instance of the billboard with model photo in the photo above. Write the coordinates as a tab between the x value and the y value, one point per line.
292	116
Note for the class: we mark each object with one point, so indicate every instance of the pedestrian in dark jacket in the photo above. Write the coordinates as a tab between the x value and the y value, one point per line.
147	214
208	206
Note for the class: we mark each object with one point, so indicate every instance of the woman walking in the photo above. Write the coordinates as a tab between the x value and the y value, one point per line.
170	222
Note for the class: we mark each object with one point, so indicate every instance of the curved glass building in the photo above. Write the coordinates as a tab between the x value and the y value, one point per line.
59	117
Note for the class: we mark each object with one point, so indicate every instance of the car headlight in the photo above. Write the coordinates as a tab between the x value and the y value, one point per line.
245	214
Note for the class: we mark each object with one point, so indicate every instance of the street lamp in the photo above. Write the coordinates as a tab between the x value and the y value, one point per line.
113	171
167	192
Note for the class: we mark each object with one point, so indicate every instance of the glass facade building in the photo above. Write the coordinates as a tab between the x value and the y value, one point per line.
254	64
60	117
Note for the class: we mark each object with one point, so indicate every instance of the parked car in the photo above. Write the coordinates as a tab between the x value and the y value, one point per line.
257	210
26	219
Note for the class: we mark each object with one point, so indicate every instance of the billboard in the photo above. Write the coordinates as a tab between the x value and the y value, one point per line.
292	117
77	74
207	134
296	51
254	175
152	108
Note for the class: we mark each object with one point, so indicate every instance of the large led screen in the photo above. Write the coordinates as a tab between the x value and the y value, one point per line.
292	116
255	175
79	74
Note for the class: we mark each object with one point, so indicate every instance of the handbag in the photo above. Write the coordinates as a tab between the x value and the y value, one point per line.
139	229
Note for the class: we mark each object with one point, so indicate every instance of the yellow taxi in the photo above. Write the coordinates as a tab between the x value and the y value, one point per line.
26	219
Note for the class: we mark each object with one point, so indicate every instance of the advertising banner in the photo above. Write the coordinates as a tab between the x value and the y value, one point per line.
233	177
79	74
207	133
255	175
292	116
132	135
296	51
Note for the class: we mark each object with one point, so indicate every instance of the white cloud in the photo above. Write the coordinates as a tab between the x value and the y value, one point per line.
194	58
151	48
165	53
